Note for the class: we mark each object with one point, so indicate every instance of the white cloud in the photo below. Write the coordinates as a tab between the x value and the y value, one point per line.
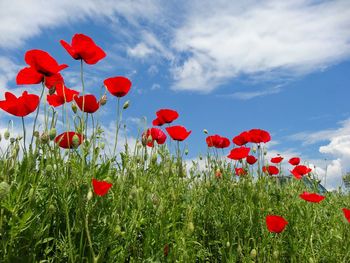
23	19
247	95
141	50
8	71
221	40
336	150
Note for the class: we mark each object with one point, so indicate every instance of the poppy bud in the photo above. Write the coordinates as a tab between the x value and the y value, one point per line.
52	90
74	107
44	138
6	134
205	131
89	195
228	244
108	180
200	157
48	169
75	141
31	194
12	140
275	254
239	249
52	134
4	190
254	149
253	253
265	151
126	105
186	151
103	100
155	200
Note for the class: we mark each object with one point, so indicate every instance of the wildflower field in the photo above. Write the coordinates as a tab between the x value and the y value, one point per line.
66	196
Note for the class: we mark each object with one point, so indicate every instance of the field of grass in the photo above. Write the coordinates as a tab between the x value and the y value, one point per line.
66	199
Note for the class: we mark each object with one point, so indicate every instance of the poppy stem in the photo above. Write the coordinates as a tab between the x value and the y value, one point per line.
117	126
24	136
37	112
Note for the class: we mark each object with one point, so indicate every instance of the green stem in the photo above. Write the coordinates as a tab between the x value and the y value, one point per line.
117	127
24	136
37	113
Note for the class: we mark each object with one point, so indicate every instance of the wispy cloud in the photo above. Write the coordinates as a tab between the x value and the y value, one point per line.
242	95
223	39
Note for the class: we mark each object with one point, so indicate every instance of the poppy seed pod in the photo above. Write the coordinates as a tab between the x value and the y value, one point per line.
52	90
44	138
36	134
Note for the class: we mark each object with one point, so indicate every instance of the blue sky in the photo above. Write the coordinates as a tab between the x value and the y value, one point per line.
225	67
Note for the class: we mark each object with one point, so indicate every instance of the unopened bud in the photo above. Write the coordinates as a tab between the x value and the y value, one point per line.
186	151
52	209
6	134
228	244
253	253
89	195
12	140
205	131
74	107
75	141
102	145
103	100
126	105
275	254
48	169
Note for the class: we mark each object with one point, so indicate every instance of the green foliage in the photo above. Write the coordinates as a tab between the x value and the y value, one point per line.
151	214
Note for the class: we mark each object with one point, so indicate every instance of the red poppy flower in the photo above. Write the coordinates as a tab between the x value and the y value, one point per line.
312	197
346	214
178	133
275	224
41	65
251	159
54	81
165	116
240	171
90	102
294	161
83	47
63	94
241	139
118	86
21	106
259	136
277	159
217	141
300	170
271	170
239	153
65	140
101	188
156	134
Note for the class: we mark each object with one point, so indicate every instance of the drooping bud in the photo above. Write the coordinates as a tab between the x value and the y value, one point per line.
52	134
103	100
74	107
126	105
